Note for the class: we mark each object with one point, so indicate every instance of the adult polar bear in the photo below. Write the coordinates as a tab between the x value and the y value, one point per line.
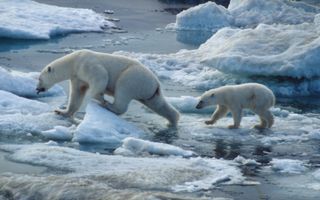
254	96
100	73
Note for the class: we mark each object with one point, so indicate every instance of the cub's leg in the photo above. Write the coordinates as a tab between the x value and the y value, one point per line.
266	119
237	115
220	112
76	94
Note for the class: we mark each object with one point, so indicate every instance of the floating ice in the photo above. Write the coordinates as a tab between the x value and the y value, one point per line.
59	133
19	115
26	19
24	84
244	13
207	16
268	50
102	126
254	12
156	173
132	146
243	161
12	104
288	166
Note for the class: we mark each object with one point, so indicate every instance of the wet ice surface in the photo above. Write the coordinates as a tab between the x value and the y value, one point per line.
279	163
41	21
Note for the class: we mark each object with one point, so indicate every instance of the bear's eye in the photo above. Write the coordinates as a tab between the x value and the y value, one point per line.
49	69
212	95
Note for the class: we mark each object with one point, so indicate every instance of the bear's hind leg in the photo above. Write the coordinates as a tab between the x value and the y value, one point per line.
220	112
76	94
159	105
120	104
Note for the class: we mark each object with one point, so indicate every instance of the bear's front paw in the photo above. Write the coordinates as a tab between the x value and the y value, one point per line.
233	126
208	122
62	112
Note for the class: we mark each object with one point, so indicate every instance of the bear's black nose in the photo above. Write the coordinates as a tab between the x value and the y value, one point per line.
40	90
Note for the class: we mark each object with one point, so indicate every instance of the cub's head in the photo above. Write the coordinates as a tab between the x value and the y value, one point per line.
46	79
207	99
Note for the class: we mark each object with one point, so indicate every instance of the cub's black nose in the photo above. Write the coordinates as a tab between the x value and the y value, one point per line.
40	90
199	106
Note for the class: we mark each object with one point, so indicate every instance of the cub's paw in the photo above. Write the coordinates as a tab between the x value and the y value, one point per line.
62	112
259	126
233	126
209	122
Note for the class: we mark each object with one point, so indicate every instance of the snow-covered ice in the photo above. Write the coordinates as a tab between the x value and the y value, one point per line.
244	13
26	19
171	173
59	133
24	84
207	16
267	50
288	166
102	126
132	146
11	104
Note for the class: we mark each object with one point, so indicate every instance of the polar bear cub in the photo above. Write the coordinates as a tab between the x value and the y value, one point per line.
99	73
234	98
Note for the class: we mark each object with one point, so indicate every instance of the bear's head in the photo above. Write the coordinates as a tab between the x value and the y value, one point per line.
207	99
46	79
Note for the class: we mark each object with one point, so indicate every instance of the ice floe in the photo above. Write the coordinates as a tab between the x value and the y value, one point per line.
102	126
132	147
207	16
267	50
170	173
288	166
59	133
24	84
244	13
26	19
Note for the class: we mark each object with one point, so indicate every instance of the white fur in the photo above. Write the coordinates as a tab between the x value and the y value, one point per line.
100	73
234	98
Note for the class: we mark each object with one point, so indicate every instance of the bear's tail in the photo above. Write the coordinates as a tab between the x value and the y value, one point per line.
158	104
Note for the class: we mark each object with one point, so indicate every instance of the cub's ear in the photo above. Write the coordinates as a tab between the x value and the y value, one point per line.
49	69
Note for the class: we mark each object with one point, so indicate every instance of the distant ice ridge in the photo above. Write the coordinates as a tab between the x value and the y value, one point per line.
157	173
26	19
244	13
24	84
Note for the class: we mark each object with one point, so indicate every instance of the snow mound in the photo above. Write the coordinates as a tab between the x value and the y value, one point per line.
254	12
21	116
268	50
26	19
59	133
24	84
102	126
244	13
207	16
11	104
288	166
169	173
132	146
